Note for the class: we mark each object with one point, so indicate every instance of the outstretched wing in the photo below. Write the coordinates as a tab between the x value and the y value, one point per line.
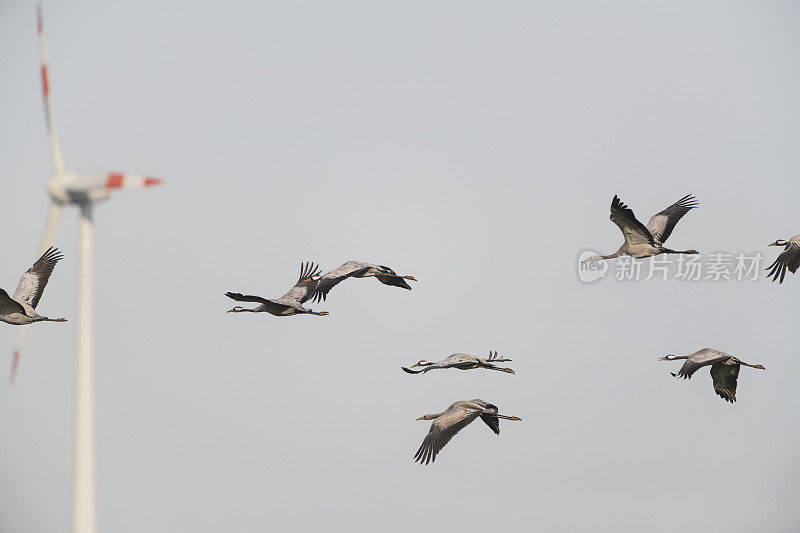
34	280
8	305
336	276
633	230
271	306
444	428
493	358
492	421
661	224
788	259
246	297
724	377
393	281
306	283
699	359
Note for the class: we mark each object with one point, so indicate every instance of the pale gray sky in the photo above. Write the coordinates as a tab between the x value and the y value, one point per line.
474	146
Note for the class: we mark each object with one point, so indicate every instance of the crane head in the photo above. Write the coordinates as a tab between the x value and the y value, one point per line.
779	242
668	357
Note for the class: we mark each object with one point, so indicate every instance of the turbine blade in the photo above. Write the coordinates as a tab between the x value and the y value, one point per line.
48	240
15	358
97	186
55	145
50	228
117	180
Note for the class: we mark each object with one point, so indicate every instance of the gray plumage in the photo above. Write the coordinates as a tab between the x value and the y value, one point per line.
449	422
789	259
461	361
20	309
358	269
288	304
645	241
724	369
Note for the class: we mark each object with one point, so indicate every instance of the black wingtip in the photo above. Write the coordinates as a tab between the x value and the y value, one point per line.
618	203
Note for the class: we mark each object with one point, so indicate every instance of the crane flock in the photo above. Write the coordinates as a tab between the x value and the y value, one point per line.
640	241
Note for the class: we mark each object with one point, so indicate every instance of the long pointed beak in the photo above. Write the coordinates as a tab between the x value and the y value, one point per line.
773	244
415	365
421	418
412	278
663	359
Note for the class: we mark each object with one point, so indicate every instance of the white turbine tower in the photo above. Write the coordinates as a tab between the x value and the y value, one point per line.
82	189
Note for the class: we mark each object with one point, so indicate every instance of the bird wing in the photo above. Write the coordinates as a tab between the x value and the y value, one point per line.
246	297
457	358
789	258
492	421
699	359
661	224
633	230
393	280
443	428
34	280
306	284
272	305
724	377
336	276
8	305
451	361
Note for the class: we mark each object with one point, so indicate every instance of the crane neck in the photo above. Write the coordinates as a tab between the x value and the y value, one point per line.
614	255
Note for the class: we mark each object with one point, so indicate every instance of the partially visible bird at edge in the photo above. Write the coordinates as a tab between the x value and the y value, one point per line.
724	369
461	361
447	423
290	303
789	259
641	241
20	309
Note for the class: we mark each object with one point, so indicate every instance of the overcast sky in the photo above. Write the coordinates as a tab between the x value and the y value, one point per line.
474	146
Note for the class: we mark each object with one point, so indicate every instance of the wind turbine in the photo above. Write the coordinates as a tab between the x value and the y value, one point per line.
83	189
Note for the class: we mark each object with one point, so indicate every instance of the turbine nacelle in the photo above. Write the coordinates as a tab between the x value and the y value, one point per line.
81	187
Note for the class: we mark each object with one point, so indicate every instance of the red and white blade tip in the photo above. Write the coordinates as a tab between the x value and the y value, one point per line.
117	180
45	80
14	366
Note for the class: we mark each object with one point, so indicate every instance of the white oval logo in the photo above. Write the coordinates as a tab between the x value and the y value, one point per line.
590	267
